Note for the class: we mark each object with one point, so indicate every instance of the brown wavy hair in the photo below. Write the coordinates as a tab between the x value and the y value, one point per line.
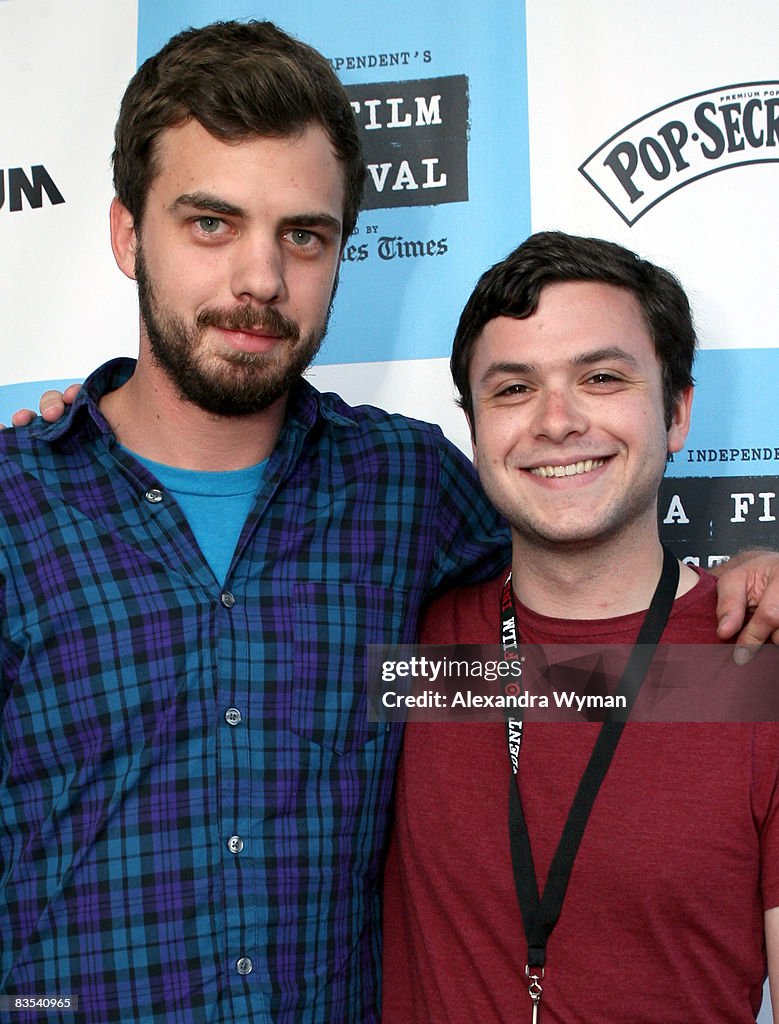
237	79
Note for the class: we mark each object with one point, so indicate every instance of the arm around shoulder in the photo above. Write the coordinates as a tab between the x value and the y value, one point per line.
473	539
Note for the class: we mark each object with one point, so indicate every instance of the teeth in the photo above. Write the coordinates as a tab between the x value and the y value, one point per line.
572	469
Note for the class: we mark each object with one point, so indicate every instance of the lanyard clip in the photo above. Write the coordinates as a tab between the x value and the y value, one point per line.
534	990
534	982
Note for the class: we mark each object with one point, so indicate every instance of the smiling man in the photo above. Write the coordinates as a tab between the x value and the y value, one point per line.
569	475
573	358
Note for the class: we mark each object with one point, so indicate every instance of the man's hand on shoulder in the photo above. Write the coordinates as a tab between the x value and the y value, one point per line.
52	405
748	584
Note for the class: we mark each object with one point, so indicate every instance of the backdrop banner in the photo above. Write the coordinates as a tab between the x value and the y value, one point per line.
652	124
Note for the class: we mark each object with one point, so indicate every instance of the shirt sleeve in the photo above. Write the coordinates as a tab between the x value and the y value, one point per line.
472	542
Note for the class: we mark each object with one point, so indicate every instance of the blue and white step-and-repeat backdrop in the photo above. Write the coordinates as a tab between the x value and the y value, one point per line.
653	124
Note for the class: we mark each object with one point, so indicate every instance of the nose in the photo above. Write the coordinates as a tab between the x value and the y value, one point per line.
257	270
558	414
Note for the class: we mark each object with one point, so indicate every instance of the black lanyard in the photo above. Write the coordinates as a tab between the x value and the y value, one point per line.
539	916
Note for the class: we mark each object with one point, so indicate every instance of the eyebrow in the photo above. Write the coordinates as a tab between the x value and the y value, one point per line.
600	355
207	202
605	355
315	220
507	369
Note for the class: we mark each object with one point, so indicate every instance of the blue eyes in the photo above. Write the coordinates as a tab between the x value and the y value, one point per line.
209	225
300	237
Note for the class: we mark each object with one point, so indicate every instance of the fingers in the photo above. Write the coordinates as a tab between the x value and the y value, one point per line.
22	417
51	405
754	584
762	628
70	393
732	598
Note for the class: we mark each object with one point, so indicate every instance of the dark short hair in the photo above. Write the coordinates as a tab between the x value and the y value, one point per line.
237	79
513	287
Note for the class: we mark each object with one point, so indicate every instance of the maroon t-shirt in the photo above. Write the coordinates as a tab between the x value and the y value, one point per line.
663	917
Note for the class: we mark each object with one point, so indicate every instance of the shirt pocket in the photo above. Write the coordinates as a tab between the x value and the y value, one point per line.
334	624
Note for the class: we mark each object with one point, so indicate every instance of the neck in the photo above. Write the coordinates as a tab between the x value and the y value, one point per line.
590	584
149	418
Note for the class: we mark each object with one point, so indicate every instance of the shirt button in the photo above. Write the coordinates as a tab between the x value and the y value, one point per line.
233	716
244	965
228	600
235	844
154	496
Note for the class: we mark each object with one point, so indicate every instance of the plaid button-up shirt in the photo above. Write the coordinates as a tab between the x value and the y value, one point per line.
193	803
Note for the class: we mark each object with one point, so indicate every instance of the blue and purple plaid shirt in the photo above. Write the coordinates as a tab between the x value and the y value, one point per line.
193	804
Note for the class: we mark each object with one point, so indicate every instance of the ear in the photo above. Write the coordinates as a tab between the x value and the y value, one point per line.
124	240
680	424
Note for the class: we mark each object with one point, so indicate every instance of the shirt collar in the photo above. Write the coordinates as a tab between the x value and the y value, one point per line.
85	413
307	405
305	408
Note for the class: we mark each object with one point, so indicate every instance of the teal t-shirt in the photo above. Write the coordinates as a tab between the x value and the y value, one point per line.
216	505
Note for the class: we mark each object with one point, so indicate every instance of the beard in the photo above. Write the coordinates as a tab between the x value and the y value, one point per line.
230	383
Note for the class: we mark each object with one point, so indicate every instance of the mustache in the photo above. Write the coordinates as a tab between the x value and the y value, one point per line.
245	318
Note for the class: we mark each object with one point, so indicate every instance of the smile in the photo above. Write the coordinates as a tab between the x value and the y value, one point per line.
572	469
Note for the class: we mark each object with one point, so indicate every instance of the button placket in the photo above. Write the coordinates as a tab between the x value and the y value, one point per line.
236	786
